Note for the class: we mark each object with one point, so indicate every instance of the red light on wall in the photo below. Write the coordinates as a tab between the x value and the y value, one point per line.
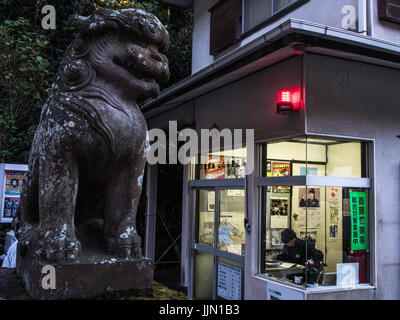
288	100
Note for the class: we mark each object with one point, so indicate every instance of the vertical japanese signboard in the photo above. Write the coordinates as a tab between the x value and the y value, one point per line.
359	221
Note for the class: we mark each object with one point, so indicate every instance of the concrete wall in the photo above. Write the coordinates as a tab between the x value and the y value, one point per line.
381	29
201	34
361	100
249	103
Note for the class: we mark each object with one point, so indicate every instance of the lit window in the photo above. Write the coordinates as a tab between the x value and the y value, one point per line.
309	231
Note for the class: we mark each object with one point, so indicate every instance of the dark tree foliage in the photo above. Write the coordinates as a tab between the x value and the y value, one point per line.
29	58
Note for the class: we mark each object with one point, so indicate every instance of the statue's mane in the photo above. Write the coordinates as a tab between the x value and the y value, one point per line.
76	72
141	24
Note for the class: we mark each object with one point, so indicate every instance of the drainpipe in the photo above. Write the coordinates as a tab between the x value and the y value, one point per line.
363	16
370	17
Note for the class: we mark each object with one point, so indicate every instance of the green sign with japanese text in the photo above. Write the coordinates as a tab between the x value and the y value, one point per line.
359	221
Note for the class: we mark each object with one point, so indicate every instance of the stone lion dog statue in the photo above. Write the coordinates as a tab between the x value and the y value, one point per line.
89	151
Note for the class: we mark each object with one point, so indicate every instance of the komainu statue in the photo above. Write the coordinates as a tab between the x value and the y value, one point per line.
89	151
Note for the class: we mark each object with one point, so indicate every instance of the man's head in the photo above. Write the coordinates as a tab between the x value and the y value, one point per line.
311	194
288	237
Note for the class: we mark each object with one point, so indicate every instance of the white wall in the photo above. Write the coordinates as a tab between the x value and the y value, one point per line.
201	34
381	29
319	11
249	103
366	105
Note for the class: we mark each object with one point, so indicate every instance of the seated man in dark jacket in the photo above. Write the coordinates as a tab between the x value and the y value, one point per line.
295	250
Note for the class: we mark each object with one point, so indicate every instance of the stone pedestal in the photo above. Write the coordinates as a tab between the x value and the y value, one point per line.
88	277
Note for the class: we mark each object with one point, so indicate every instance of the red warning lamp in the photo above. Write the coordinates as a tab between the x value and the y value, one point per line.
288	100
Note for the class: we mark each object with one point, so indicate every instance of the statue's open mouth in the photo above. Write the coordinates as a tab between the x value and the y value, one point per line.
133	68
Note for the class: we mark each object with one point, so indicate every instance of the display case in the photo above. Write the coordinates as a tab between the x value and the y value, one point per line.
11	177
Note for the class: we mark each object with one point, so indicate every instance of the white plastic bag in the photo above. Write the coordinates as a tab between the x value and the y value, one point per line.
10	239
11	256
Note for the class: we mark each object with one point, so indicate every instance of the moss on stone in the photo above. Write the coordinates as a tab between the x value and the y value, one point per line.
159	292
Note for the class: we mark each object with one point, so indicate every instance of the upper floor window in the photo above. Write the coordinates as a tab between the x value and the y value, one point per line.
389	10
257	11
230	18
225	26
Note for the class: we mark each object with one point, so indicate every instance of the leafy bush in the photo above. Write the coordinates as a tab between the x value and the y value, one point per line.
29	58
25	76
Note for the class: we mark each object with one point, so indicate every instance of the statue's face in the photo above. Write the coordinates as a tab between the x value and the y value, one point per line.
134	65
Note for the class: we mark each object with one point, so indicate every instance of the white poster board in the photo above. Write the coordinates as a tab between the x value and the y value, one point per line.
229	281
347	275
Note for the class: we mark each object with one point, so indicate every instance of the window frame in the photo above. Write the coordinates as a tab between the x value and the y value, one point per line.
268	20
321	181
385	13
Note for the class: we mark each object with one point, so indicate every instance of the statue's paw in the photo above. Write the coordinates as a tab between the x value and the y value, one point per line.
124	245
59	246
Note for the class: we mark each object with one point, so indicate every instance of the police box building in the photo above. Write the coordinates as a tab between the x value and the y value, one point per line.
318	217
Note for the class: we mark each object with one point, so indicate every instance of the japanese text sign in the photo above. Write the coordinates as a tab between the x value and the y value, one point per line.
359	221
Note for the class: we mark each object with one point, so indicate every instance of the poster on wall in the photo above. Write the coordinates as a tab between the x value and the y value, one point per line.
334	196
12	191
333	214
279	222
279	207
276	238
308	171
334	205
224	237
309	208
280	169
13	182
279	213
215	168
309	234
309	198
300	219
11	204
333	231
313	219
211	201
235	168
269	169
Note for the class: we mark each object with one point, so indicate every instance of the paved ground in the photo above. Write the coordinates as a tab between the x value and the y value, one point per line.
10	287
169	276
167	286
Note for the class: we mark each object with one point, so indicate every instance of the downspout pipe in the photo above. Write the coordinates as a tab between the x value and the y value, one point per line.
370	17
363	16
